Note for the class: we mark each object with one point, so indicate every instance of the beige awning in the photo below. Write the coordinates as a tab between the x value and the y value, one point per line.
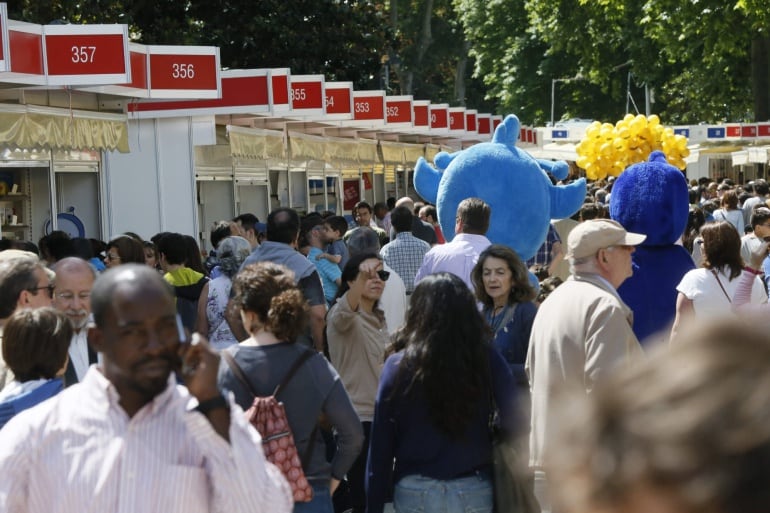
28	127
256	143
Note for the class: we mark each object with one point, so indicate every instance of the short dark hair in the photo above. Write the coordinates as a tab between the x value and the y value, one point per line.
362	204
174	247
521	289
474	214
35	343
761	187
247	221
129	249
391	202
283	225
193	258
338	224
268	290
430	210
590	211
60	245
759	215
219	231
401	219
380	206
16	275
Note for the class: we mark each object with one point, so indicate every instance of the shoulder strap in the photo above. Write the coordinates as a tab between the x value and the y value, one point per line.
294	368
237	371
721	286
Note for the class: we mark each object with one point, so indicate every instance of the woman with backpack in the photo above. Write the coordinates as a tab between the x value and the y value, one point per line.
274	312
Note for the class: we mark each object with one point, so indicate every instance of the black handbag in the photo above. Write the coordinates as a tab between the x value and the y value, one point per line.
513	490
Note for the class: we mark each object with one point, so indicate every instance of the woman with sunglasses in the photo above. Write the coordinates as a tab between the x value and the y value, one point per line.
123	250
357	337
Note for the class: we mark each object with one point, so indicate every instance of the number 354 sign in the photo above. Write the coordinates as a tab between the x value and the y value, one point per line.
86	54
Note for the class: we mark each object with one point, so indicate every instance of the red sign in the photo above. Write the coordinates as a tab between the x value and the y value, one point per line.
763	130
421	114
485	124
184	72
368	106
438	116
733	131
470	121
351	193
457	119
307	92
86	54
25	49
398	109
496	120
749	131
138	70
279	89
339	98
242	91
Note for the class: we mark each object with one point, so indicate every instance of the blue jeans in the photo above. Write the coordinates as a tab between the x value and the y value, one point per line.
321	503
419	494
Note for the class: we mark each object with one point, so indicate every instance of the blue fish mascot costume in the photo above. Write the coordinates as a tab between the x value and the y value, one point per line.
651	198
513	183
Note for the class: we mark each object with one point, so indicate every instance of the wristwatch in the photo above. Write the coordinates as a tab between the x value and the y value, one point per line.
214	403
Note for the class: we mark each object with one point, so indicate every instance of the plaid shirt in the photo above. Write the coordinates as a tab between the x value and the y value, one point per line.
543	256
404	255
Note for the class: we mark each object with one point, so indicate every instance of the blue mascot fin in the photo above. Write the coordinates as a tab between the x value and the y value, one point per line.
558	168
507	132
567	199
426	180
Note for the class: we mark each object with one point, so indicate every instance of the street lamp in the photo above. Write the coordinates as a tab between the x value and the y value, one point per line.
579	76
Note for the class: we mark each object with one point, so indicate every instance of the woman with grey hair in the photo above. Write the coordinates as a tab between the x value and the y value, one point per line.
231	253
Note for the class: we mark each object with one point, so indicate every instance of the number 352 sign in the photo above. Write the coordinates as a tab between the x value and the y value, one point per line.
86	54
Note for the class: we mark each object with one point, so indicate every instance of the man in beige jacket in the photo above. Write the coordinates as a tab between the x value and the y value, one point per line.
583	329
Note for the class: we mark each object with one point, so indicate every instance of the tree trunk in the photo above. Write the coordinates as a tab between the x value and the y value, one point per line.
760	77
462	65
423	43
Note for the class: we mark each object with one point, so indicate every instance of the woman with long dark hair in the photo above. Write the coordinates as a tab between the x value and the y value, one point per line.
434	404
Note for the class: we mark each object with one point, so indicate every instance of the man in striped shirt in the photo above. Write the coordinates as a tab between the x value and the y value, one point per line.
127	438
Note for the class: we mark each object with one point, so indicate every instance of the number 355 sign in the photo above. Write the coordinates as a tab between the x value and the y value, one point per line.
86	54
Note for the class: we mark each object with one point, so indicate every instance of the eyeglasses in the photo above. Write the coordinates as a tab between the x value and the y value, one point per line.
48	287
111	257
69	296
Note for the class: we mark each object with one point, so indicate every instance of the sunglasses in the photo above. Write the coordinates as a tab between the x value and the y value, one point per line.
383	275
49	288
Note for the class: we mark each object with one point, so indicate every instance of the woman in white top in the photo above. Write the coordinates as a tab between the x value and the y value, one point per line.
231	253
730	212
708	292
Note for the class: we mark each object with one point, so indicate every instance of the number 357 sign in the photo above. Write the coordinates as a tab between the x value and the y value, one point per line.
86	54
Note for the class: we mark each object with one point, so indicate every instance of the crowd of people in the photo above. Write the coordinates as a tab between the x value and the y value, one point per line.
127	364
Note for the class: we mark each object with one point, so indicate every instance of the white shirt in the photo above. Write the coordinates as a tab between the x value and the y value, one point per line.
708	299
393	300
80	452
78	352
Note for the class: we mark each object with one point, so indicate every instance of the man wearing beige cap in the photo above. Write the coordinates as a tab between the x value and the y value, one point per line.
583	329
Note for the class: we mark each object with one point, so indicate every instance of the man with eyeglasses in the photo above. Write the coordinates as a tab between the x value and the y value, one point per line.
24	283
72	295
760	232
583	331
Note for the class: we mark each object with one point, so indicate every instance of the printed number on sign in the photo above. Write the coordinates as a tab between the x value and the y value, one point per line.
362	107
392	112
183	71
330	101
433	119
83	54
298	94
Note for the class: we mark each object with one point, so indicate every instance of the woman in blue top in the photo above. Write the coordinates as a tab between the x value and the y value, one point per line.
433	406
502	286
35	345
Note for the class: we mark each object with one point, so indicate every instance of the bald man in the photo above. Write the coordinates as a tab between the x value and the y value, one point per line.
72	296
127	437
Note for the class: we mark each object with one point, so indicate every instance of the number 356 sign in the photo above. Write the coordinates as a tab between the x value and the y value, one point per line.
86	54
